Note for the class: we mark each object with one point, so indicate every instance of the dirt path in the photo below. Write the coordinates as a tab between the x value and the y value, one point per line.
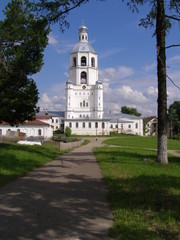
64	199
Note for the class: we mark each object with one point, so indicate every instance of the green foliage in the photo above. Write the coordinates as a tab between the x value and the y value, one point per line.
143	194
172	7
23	38
174	116
131	111
67	132
16	160
57	11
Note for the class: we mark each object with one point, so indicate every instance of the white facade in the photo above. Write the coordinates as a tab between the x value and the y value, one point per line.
84	92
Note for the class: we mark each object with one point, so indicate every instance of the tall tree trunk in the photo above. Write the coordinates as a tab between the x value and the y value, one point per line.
162	91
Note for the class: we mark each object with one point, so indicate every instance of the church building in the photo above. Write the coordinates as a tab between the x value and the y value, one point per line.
84	92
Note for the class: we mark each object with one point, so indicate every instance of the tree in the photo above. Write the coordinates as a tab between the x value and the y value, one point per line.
56	11
131	111
23	38
174	116
163	24
67	131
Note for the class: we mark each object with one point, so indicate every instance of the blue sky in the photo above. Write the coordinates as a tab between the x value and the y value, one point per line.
126	58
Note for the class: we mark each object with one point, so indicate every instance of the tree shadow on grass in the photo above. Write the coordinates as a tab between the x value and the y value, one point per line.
145	199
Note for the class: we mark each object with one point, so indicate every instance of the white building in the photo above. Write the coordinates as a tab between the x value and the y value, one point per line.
84	92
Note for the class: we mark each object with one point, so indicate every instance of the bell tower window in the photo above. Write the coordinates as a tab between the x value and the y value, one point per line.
74	61
83	78
92	62
83	61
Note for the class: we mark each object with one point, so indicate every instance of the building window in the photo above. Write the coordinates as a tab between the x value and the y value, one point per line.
96	124
52	120
77	125
80	104
129	126
84	103
0	132
80	115
92	62
56	127
136	125
56	120
83	78
111	126
39	132
83	124
89	124
122	126
103	125
70	125
74	61
83	61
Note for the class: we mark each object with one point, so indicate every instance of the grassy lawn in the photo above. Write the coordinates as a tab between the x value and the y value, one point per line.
145	196
16	160
141	142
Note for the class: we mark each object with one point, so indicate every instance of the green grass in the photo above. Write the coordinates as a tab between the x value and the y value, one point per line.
16	160
144	195
141	142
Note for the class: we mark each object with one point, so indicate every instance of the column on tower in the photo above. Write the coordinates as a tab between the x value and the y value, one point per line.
99	100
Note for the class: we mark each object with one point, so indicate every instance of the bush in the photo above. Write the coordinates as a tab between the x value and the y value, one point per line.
67	132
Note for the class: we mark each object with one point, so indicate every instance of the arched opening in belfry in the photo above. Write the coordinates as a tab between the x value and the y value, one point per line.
83	61
92	62
83	77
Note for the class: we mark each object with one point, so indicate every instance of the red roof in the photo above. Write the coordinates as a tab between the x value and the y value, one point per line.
33	122
43	116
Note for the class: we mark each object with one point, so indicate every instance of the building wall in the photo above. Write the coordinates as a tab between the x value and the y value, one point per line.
88	127
35	131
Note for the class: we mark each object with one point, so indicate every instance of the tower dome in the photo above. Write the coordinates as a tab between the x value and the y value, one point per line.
83	45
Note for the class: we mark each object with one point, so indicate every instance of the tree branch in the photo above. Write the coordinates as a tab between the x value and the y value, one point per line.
173	45
173	17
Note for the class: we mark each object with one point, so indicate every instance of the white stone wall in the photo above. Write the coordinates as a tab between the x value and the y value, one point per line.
87	127
29	130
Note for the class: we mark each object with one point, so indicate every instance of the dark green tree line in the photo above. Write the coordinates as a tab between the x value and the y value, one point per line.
131	111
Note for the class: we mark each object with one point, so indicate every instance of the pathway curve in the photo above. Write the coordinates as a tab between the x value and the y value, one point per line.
64	199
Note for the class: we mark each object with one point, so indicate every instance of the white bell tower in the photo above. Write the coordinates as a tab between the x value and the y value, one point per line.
84	92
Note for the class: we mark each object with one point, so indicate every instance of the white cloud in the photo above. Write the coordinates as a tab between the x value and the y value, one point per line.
52	40
152	91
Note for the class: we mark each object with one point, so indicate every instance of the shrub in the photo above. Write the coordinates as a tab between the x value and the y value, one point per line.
67	132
